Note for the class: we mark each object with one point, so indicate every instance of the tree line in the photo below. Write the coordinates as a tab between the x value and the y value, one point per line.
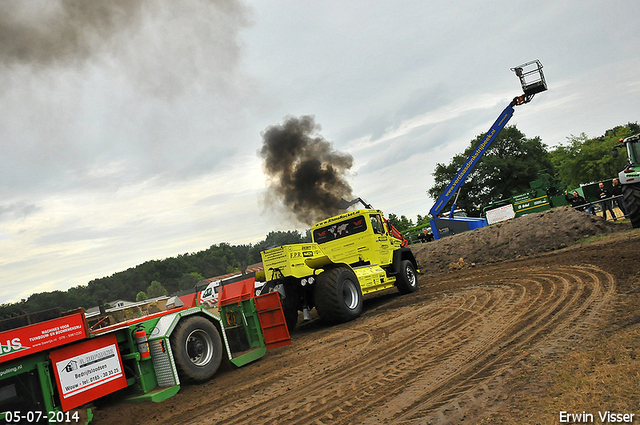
156	277
507	167
512	161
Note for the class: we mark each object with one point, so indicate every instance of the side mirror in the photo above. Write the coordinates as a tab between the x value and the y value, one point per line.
614	153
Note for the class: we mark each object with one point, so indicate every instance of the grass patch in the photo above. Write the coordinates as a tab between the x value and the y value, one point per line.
598	375
590	239
605	376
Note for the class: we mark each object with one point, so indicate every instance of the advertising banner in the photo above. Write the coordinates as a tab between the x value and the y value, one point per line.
41	336
500	214
88	370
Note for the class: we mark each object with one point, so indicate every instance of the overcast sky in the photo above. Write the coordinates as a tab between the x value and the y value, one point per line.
129	130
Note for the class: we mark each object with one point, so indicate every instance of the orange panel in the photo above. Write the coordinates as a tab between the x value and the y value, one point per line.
272	321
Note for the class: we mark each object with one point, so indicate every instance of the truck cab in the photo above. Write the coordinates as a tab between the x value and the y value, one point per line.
356	238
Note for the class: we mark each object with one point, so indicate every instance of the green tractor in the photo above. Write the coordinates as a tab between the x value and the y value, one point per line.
630	178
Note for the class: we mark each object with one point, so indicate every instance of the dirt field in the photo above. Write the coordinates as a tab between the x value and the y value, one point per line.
512	324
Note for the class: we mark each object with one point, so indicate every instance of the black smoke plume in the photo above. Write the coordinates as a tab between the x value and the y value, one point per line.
305	173
58	31
144	40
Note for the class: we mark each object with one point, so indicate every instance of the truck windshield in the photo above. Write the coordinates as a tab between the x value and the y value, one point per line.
339	230
635	151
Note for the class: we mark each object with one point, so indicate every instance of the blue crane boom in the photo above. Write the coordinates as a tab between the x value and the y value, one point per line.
471	162
532	81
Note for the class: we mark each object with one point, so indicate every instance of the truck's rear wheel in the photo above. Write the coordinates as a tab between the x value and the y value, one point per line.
631	195
407	280
197	349
337	295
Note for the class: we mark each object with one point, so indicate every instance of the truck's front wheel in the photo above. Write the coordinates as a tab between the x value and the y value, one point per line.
407	280
631	195
337	295
197	348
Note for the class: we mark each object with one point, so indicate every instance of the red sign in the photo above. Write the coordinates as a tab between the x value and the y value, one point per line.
88	370
42	336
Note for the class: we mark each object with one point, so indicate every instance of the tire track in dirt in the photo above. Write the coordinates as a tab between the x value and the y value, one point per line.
557	321
322	387
309	381
441	359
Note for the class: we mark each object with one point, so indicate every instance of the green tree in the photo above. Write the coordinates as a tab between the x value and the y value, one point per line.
402	223
141	296
274	239
585	160
423	221
507	167
189	280
156	289
393	220
405	223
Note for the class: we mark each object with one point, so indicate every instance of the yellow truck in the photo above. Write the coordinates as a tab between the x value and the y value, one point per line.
351	254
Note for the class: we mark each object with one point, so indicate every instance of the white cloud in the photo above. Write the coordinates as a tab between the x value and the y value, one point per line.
140	140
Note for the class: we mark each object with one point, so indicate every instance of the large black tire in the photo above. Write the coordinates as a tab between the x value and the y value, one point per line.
337	295
631	195
407	281
290	306
197	349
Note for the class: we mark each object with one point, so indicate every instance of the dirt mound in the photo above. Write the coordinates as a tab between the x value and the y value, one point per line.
524	236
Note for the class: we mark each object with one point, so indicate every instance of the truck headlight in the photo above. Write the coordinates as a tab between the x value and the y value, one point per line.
303	282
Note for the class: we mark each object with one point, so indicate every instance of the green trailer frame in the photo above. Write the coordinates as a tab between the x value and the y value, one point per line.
30	383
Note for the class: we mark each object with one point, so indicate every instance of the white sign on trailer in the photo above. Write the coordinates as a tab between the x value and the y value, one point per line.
87	370
500	214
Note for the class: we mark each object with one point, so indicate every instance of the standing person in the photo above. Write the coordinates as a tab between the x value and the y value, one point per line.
576	200
617	191
604	196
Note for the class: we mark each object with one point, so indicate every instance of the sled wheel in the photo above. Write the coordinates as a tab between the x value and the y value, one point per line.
407	280
197	349
631	195
337	295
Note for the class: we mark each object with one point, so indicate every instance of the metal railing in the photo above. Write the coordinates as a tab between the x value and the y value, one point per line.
597	204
